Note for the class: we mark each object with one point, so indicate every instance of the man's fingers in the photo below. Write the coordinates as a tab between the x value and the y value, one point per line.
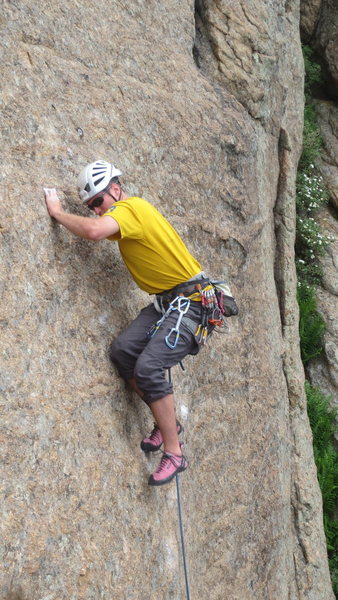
50	192
52	201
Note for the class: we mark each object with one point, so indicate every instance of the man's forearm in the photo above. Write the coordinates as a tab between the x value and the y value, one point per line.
82	226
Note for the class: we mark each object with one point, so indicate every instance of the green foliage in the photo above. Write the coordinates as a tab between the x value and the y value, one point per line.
309	274
312	140
323	423
310	245
333	564
313	75
311	323
311	191
311	241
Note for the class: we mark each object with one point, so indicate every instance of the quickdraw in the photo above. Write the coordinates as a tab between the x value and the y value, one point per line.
181	304
182	307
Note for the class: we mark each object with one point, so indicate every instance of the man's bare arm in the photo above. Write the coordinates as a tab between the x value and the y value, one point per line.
84	227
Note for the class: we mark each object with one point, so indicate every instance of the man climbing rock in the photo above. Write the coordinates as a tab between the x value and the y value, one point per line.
165	331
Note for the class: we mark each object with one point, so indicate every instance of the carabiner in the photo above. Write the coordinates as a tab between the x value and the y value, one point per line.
167	338
182	307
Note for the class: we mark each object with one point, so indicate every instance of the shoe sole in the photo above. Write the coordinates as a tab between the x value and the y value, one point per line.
151	448
152	481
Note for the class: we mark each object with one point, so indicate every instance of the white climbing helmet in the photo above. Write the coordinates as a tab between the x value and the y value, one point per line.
94	178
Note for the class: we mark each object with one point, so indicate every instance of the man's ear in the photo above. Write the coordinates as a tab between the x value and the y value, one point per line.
116	189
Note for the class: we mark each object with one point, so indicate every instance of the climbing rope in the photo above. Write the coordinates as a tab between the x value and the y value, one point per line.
182	537
180	514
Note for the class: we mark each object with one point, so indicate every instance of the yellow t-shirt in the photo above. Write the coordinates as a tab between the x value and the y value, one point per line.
152	250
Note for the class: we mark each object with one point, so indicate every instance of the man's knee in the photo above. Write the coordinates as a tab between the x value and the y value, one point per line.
143	372
150	378
116	352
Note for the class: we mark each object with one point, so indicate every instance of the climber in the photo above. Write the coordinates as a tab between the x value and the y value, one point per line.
166	330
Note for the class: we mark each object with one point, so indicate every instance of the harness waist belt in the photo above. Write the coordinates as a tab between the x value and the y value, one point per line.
186	288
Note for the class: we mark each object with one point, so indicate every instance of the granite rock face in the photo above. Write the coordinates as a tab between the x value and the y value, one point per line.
319	27
309	17
201	108
327	114
326	39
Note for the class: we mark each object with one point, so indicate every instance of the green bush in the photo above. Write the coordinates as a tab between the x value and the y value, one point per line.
312	193
311	323
312	140
333	564
308	274
323	423
310	245
312	242
313	74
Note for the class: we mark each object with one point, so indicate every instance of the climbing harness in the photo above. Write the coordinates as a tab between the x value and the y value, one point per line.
182	537
217	304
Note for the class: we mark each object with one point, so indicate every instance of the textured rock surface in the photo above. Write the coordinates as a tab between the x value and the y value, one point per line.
201	109
325	39
309	16
327	113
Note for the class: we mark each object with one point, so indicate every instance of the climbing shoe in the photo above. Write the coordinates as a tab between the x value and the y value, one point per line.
155	439
170	465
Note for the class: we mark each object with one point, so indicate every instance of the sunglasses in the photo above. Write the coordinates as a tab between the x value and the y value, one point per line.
96	202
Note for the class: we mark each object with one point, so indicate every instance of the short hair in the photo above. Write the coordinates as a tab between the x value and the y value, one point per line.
115	180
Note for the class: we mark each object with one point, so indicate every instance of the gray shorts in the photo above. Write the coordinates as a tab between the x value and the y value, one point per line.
145	358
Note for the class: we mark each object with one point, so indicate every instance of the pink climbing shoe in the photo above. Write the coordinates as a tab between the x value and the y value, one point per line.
170	465
155	439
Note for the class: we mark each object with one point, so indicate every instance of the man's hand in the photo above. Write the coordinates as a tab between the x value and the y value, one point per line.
52	201
85	227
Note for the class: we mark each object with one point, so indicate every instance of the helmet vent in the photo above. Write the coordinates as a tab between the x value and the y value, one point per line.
95	178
